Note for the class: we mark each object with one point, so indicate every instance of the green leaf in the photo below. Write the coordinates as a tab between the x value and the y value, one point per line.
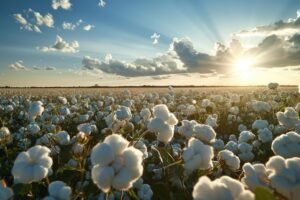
263	193
166	155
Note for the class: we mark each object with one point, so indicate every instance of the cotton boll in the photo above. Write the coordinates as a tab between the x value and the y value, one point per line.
163	123
33	128
242	127
172	120
59	190
117	143
197	156
102	154
64	111
123	113
145	114
62	100
245	152
231	160
211	121
232	146
233	138
289	118
218	144
33	165
285	176
254	175
63	138
287	145
6	193
234	110
260	124
246	136
85	128
260	106
161	111
204	132
140	145
165	134
145	192
222	188
103	177
116	165
265	135
5	136
35	109
84	118
187	128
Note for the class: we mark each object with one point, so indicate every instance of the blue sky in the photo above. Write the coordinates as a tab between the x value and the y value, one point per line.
123	28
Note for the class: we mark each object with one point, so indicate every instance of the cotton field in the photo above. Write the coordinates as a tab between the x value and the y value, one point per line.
138	144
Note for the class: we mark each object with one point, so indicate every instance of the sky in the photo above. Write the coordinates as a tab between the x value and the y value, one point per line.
134	42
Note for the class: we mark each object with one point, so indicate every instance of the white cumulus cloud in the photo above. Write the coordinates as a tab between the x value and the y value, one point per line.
61	46
64	4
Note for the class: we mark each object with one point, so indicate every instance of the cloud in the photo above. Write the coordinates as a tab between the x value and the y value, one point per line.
64	4
272	52
291	26
155	38
276	51
181	57
61	46
71	26
101	3
163	64
19	65
35	22
44	68
88	27
161	77
46	20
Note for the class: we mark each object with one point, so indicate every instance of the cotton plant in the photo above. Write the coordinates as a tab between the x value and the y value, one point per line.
289	118
163	123
58	190
115	164
32	165
255	175
232	146
35	109
123	113
265	135
284	176
287	145
260	124
211	120
260	106
218	144
205	133
197	155
245	152
229	160
246	136
187	128
221	188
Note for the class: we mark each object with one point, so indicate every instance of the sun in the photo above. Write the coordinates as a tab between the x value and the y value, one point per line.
243	64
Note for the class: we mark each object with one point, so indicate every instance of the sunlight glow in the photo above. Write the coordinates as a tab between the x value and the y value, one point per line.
243	67
243	64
